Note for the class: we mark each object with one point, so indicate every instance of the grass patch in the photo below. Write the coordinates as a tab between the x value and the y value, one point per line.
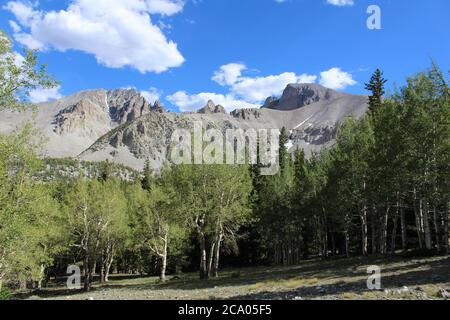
349	296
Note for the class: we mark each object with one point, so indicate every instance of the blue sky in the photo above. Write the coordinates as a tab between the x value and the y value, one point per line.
236	52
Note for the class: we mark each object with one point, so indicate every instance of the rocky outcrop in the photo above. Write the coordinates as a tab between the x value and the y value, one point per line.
158	107
247	114
99	111
212	108
126	105
73	123
270	102
148	139
316	135
88	117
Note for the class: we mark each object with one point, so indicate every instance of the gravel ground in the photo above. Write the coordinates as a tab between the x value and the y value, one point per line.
417	278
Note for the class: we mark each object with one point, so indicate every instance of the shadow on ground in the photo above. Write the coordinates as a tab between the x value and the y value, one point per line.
310	279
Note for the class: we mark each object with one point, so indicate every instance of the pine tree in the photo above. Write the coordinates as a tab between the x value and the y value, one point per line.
105	171
148	176
376	86
300	170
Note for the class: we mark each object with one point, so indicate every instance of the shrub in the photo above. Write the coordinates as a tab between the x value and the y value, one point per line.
5	294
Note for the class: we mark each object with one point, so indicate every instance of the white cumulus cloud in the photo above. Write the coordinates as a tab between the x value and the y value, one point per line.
256	89
165	7
228	74
44	95
118	33
151	95
243	91
259	88
250	92
192	102
336	79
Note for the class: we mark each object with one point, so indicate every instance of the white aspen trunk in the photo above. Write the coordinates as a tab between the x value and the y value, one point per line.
203	262
102	269
384	231
86	264
364	236
210	259
217	256
426	224
347	241
108	262
162	275
41	278
364	230
108	268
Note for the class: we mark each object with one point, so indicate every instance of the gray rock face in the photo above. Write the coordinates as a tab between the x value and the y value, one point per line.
99	111
158	107
87	117
212	108
270	102
71	124
299	95
247	114
126	105
316	135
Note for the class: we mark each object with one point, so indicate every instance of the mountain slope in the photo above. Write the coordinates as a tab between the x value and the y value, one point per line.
313	124
73	123
121	126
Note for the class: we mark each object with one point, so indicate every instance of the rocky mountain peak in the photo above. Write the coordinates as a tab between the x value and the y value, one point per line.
270	102
86	116
212	108
125	105
299	95
95	112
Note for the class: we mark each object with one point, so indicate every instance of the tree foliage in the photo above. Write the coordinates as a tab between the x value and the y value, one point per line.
20	74
384	186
